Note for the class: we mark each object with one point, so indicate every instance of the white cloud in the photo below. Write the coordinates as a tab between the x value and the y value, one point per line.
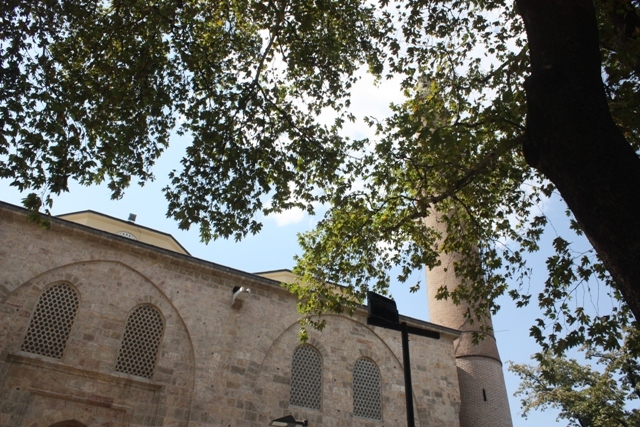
288	217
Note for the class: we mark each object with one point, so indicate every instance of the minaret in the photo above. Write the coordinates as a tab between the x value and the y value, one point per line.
483	393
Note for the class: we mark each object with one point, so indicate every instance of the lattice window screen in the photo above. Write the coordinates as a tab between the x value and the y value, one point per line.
306	378
366	390
141	341
51	323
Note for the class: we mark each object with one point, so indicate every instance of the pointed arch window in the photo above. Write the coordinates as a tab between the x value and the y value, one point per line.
141	341
366	390
52	320
306	378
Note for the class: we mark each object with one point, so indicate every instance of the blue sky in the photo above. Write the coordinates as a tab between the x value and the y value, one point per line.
276	245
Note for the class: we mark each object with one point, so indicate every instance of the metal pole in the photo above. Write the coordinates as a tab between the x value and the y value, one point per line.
383	312
408	390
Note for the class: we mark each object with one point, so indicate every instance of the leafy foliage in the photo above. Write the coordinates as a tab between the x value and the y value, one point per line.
452	150
91	91
585	396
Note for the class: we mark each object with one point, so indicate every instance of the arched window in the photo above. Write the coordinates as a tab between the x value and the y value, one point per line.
366	390
142	335
52	319
306	378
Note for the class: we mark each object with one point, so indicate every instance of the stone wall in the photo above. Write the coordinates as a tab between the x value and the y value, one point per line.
217	365
483	382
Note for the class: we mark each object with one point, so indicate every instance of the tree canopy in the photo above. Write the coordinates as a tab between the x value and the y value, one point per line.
585	396
505	105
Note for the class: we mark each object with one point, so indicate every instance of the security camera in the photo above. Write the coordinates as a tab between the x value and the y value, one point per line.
237	291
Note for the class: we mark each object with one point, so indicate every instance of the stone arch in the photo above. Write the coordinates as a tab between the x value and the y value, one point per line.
340	346
72	274
317	344
108	279
270	339
42	280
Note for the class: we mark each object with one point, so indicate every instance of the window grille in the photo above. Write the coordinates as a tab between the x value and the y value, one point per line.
306	378
141	341
51	323
366	390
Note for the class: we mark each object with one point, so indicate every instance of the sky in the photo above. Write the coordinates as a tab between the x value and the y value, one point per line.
275	247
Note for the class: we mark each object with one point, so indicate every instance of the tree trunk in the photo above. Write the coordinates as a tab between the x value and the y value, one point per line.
572	139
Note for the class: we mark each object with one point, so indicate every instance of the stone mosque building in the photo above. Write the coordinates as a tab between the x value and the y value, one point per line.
104	322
